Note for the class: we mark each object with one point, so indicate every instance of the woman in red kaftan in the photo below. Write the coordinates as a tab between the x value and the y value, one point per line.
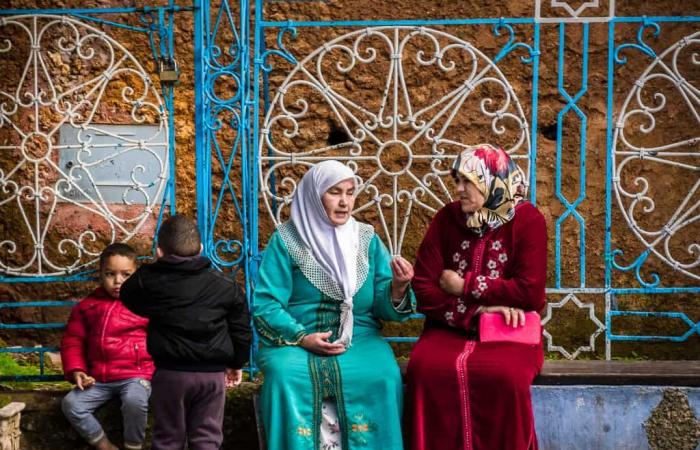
485	252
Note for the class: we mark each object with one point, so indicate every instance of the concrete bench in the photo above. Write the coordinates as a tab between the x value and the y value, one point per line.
614	373
618	373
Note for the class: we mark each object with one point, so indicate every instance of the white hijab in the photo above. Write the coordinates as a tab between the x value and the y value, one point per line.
333	247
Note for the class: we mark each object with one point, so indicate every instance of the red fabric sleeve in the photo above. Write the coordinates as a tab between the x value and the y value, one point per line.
73	344
432	300
524	288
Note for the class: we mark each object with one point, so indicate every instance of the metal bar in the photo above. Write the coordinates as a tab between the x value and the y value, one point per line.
41	376
393	23
575	290
259	50
32	326
81	276
31	378
571	206
400	339
655	19
693	327
676	290
248	167
35	304
253	245
172	185
478	21
608	187
628	338
111	23
68	11
201	22
266	106
616	291
533	121
38	303
28	349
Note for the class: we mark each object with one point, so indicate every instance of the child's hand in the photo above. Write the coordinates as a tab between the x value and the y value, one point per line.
83	380
233	378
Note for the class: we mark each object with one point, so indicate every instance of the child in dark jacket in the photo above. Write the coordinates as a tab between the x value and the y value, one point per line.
104	353
198	333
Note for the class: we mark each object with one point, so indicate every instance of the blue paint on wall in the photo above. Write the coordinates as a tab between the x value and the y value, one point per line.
598	417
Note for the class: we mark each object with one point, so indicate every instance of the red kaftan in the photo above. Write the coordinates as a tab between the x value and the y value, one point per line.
464	394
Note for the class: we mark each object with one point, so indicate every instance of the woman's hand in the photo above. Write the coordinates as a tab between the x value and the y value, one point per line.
513	316
318	343
452	283
402	274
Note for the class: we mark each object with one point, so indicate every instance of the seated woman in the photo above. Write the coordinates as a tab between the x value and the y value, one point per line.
487	251
325	280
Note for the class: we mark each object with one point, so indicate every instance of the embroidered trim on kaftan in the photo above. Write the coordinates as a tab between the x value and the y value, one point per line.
325	373
463	381
313	271
268	332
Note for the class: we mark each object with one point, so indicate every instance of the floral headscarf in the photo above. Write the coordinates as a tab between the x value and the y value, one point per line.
498	178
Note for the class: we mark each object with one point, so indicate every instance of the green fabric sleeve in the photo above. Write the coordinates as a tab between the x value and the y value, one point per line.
273	290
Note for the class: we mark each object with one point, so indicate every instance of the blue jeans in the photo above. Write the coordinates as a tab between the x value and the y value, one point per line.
79	406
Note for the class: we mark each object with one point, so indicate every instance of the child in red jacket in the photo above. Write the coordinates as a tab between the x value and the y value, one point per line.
104	353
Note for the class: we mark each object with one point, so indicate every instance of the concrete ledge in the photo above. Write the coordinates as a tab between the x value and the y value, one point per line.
10	433
11	409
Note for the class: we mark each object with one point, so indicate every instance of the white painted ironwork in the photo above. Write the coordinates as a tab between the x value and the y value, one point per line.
576	13
591	314
390	132
32	112
641	115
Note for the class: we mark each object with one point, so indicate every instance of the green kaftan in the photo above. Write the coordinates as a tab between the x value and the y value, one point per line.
293	297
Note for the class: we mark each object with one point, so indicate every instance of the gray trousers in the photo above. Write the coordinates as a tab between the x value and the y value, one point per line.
79	407
188	407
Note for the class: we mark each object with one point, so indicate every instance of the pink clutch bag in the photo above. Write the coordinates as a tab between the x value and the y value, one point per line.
493	328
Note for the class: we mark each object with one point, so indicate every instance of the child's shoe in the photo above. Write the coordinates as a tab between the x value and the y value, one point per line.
105	444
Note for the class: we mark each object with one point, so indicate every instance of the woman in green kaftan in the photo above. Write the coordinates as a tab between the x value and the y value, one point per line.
331	381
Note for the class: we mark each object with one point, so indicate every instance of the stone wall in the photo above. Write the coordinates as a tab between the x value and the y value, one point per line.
566	417
44	427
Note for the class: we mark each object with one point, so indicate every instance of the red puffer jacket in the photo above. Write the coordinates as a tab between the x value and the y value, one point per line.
105	340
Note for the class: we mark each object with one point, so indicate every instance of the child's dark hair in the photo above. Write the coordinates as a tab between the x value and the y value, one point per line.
179	236
117	249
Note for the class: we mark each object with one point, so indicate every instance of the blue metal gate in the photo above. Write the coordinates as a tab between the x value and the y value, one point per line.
628	242
116	180
396	99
